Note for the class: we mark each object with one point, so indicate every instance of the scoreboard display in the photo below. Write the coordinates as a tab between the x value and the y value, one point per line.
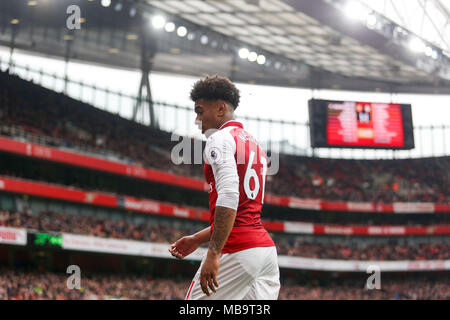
44	239
359	124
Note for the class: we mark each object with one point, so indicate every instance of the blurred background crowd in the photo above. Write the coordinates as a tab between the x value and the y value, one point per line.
291	245
57	120
18	285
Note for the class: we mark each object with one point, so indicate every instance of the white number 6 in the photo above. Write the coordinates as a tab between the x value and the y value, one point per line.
251	173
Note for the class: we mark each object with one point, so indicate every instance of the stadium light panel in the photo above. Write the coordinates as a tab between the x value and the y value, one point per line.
243	53
118	6
182	31
204	39
434	54
416	45
356	10
158	22
106	3
371	21
252	56
169	27
261	59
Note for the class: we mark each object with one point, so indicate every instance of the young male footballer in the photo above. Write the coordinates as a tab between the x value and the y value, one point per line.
241	262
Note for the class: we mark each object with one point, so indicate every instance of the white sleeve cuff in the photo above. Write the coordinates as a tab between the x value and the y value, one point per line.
228	200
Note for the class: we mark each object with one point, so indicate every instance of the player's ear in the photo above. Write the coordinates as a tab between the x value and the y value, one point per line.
221	108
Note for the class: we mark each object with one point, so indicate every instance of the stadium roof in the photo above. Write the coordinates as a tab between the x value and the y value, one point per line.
430	19
314	44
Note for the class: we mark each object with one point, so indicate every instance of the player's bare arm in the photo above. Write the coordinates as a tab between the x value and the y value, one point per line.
186	245
223	223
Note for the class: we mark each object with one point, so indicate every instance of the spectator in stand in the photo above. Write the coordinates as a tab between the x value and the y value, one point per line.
292	246
366	251
70	123
49	286
20	285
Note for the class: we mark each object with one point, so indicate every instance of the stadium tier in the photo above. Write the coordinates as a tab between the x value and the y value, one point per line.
272	149
81	160
14	286
125	228
61	121
130	203
87	160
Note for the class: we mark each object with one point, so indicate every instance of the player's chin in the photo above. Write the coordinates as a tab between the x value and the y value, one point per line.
205	129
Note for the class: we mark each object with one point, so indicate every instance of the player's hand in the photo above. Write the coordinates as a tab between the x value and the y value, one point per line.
208	274
183	247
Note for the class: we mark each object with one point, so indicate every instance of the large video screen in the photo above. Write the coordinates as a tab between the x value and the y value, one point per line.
358	124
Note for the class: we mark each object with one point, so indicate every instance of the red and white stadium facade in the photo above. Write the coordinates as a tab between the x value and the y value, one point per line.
18	236
95	163
57	192
76	242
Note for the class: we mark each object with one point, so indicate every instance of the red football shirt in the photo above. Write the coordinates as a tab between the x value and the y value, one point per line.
251	165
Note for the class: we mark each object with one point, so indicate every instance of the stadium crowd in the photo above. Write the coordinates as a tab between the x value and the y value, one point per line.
286	244
384	181
50	286
359	250
38	173
417	289
70	123
20	285
44	116
94	226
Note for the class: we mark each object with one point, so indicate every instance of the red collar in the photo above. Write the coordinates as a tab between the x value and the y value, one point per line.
232	123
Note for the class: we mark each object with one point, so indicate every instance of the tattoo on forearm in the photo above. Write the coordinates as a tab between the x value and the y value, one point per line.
223	223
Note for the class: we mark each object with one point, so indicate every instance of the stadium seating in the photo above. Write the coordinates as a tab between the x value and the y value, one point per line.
46	117
286	245
66	122
15	285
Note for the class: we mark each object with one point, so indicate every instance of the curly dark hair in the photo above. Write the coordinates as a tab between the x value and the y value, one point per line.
216	88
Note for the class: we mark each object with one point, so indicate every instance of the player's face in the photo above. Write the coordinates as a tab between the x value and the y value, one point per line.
206	115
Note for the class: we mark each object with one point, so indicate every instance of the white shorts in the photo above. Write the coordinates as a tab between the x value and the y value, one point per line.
250	274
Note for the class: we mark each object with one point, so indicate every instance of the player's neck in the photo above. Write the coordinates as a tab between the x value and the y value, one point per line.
225	121
209	132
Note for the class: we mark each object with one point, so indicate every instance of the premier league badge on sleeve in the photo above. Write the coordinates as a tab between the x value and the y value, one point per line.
214	155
